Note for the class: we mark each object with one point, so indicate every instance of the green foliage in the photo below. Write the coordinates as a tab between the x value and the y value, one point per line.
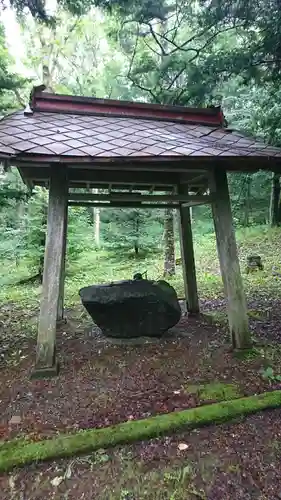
194	53
36	226
269	374
257	24
131	229
215	391
10	83
24	224
80	235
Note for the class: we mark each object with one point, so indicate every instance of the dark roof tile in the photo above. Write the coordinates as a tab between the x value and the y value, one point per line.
73	127
73	143
41	141
74	135
58	137
119	142
23	145
40	150
74	152
6	149
91	150
58	147
153	150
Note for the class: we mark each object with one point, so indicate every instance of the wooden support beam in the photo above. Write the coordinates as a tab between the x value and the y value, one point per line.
195	203
118	204
229	262
46	364
188	260
139	197
105	176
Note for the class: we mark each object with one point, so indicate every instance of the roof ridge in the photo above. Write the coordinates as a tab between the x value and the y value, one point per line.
40	100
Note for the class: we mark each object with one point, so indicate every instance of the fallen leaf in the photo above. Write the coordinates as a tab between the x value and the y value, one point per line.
182	446
57	480
12	483
68	472
16	419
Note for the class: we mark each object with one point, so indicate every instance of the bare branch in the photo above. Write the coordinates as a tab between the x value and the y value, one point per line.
151	48
176	99
210	39
163	51
176	77
145	89
134	53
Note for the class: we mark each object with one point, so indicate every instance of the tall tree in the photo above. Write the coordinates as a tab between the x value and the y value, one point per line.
169	248
275	201
11	84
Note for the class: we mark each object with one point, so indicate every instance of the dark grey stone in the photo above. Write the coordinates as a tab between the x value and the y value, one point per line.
133	308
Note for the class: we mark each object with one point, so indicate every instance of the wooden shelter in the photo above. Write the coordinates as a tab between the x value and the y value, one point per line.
128	149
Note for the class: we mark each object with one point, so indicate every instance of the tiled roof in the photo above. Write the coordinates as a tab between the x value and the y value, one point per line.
76	135
67	134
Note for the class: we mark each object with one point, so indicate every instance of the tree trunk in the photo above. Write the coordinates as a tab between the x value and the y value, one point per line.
96	221
274	212
97	225
137	233
279	213
169	259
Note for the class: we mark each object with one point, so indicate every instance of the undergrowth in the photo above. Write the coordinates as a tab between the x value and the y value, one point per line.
101	266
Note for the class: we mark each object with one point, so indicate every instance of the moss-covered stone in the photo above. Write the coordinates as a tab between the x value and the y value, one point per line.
215	391
215	317
254	314
22	452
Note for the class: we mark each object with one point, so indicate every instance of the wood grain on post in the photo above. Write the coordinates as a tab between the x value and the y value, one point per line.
188	261
229	262
46	364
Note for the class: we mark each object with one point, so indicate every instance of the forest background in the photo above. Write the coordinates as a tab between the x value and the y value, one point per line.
192	53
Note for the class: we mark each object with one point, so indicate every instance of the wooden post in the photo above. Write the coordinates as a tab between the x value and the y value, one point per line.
46	364
60	313
229	262
188	261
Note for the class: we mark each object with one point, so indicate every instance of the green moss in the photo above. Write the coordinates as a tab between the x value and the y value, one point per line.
220	317
216	391
215	317
252	313
23	452
248	354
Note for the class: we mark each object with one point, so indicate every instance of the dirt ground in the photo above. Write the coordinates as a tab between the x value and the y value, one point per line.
101	383
237	461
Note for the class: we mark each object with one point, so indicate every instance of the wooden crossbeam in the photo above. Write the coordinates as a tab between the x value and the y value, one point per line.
122	204
139	197
207	200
